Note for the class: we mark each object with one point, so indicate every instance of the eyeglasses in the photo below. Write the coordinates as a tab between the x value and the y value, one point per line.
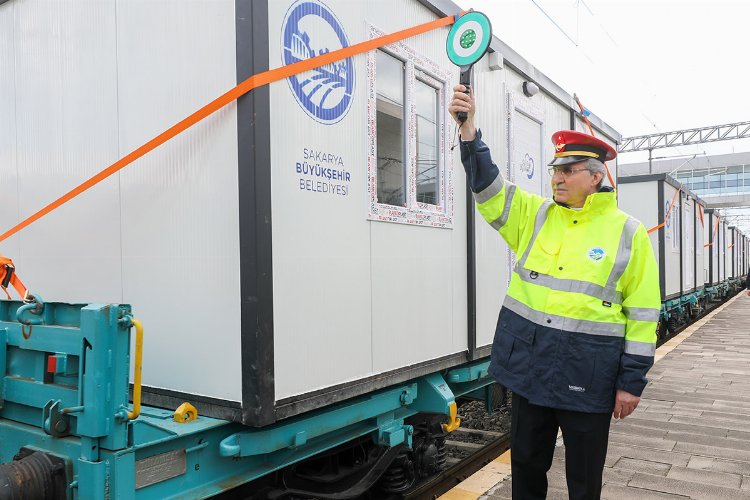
565	170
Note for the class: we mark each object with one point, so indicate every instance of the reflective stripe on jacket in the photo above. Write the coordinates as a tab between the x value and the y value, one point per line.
579	318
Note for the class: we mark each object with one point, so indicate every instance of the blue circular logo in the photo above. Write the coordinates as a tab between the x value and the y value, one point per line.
596	254
527	165
310	29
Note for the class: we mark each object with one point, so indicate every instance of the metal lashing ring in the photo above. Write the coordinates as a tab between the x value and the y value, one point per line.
35	306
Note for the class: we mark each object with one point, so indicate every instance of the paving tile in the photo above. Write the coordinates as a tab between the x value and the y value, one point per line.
642	441
676	427
502	490
686	488
745	483
728	415
616	451
647	466
556	480
684	412
722	424
618	475
618	492
715	464
722	405
631	430
742	455
706	477
740	435
683	437
638	413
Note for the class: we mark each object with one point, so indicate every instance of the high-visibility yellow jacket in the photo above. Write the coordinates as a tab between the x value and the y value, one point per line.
579	318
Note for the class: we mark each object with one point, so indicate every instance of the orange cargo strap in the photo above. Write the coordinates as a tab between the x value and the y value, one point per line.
713	238
591	132
666	218
255	81
8	277
700	213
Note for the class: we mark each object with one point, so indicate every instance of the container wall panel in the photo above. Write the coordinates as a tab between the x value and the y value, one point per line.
721	253
394	294
638	200
688	247
715	250
64	113
700	252
9	203
672	243
93	81
179	209
491	250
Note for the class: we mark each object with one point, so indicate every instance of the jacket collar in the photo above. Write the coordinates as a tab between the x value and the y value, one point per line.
603	201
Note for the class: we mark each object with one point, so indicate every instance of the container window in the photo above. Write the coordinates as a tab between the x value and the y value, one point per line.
410	179
390	130
428	189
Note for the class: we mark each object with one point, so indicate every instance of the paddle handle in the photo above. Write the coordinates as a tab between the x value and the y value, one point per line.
465	80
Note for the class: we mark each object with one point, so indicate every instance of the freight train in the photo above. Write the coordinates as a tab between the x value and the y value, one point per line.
702	260
313	286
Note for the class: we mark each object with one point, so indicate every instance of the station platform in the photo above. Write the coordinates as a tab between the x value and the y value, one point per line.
688	438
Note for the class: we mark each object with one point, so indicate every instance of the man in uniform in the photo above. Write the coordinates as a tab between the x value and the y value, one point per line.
577	331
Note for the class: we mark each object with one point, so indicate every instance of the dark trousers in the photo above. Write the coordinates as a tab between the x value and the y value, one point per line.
533	437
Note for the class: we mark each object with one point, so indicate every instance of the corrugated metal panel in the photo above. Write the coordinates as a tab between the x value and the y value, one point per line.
179	203
95	80
638	199
66	119
700	260
9	204
491	250
672	243
687	245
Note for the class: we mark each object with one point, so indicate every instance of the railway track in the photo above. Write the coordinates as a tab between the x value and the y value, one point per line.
475	456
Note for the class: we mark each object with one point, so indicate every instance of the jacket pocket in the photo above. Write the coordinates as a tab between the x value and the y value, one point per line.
543	256
589	366
515	347
577	366
607	368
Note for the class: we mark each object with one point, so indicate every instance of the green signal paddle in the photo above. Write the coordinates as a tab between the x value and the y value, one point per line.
467	42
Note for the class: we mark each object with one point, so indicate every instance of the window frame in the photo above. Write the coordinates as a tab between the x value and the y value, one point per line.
417	67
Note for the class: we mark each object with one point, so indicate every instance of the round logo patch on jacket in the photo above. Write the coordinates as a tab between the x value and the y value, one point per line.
596	254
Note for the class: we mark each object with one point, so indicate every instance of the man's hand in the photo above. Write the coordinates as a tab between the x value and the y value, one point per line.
748	293
625	404
463	102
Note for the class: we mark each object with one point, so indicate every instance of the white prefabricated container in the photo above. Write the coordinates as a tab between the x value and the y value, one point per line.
733	251
722	240
716	241
262	248
678	245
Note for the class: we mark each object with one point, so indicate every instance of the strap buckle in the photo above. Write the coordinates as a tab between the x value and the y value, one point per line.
9	270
